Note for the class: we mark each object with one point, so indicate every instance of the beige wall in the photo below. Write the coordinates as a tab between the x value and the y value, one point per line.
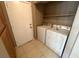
37	12
60	12
3	51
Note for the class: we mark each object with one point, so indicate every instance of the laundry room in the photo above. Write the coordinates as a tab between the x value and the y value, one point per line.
53	22
39	29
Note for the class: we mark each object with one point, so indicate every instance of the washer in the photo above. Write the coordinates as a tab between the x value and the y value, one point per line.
55	40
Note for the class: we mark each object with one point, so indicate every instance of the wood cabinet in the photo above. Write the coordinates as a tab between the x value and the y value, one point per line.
1	26
5	36
5	32
3	51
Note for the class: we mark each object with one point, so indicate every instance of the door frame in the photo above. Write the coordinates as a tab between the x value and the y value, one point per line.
7	22
72	36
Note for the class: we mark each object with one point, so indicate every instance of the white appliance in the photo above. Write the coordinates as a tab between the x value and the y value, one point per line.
56	40
41	33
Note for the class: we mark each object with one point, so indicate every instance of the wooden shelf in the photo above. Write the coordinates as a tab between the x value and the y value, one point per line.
65	15
40	2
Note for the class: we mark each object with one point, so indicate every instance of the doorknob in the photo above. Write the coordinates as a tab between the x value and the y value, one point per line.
30	25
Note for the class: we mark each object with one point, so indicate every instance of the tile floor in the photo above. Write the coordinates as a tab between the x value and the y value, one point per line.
35	49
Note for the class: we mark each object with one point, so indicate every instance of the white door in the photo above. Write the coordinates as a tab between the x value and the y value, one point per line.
75	50
20	16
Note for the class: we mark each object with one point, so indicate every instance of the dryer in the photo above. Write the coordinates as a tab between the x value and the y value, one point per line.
41	33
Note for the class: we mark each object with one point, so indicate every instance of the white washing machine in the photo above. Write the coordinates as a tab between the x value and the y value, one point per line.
41	33
55	40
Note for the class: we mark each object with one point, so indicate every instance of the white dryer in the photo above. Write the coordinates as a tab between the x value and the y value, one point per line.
41	33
